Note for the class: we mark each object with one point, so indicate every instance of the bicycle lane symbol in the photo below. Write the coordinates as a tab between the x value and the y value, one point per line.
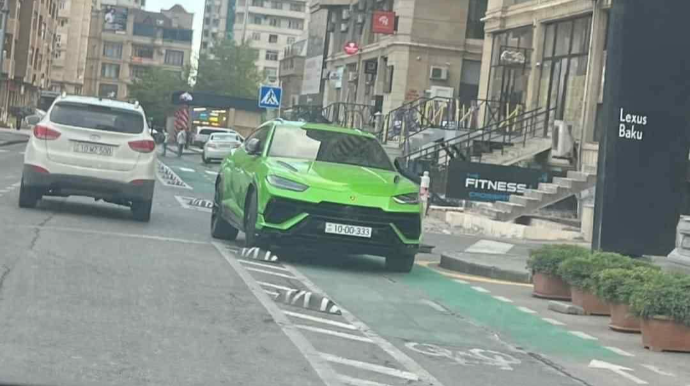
470	357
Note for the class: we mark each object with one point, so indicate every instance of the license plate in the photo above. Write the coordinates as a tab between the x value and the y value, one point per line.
348	230
91	148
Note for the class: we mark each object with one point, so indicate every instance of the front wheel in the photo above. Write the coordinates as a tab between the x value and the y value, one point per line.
221	229
204	159
141	210
28	197
402	262
251	215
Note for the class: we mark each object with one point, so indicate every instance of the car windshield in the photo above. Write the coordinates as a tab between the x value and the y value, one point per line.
97	117
223	137
329	146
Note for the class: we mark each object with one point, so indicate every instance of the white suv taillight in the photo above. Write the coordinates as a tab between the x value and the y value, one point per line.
143	146
45	132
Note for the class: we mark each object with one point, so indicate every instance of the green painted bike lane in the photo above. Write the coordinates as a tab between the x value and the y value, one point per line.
193	172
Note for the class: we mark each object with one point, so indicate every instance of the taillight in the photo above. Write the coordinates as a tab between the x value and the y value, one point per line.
212	145
45	132
143	146
39	169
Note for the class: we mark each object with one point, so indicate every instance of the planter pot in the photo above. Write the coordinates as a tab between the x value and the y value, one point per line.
662	334
550	287
622	320
590	303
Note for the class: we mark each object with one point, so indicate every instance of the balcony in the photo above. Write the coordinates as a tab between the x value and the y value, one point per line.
284	13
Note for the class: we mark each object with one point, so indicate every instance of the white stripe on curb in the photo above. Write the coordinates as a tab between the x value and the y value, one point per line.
371	367
279	287
320	320
269	266
358	382
334	333
269	272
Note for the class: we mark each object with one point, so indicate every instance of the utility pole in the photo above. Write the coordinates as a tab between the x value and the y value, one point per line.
4	13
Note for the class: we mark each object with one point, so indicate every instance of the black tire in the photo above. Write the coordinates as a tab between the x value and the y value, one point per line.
402	262
251	214
28	197
221	229
141	210
204	159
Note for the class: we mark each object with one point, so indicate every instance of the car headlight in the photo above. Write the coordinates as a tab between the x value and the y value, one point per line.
407	199
284	183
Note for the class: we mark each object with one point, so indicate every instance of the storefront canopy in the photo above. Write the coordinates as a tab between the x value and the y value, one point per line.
215	101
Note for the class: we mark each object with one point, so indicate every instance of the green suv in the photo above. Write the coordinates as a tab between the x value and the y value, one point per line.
320	187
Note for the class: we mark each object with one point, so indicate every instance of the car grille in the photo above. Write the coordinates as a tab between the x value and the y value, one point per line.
280	210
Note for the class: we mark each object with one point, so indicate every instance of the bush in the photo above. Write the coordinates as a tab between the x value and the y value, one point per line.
580	271
546	259
665	295
617	285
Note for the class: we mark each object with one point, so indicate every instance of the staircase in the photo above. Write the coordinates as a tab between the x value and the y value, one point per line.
514	153
545	195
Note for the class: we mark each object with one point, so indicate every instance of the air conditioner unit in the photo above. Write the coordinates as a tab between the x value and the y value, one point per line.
360	19
346	14
562	140
441	92
438	73
352	76
343	27
294	100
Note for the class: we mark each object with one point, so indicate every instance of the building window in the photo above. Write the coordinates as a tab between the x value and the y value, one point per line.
296	7
295	24
291	40
107	90
274	22
205	33
139	72
258	3
256	36
469	81
271	55
204	45
207	20
64	22
112	50
277	4
216	22
109	70
273	38
271	73
142	52
257	20
174	58
475	13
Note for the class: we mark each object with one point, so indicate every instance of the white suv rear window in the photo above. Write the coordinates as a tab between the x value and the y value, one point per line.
97	117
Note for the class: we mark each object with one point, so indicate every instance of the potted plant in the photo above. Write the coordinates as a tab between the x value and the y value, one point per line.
580	273
615	287
663	304
544	262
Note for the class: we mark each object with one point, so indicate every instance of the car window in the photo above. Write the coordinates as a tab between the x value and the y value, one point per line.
223	137
97	117
328	146
261	134
206	132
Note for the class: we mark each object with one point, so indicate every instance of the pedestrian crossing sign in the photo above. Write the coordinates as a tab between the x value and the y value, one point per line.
269	97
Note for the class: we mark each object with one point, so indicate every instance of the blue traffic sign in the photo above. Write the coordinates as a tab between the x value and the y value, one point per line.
270	97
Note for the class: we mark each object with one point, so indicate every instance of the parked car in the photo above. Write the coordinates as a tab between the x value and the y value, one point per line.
91	147
219	146
202	134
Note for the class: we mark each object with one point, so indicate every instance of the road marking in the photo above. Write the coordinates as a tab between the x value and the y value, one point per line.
489	247
192	203
188	170
553	321
280	287
434	305
659	371
371	367
116	234
527	310
315	359
460	281
17	184
481	289
263	265
455	275
320	320
582	335
358	382
4	191
3	151
334	333
274	294
385	345
269	272
210	172
619	351
503	299
620	370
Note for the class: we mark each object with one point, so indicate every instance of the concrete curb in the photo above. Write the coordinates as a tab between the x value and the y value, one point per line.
457	264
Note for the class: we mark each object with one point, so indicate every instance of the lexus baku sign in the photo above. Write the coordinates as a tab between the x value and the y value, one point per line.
383	23
351	48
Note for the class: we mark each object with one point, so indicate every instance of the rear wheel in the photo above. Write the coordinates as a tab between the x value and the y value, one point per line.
141	210
28	197
402	262
221	229
251	214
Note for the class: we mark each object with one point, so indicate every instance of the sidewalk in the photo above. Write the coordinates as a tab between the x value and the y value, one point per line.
11	137
172	149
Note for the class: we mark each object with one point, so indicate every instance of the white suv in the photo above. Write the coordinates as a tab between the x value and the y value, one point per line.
91	147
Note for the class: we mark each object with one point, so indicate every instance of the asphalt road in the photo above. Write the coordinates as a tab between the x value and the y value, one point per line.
90	297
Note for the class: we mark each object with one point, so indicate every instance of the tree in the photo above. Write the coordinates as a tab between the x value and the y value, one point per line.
229	70
154	91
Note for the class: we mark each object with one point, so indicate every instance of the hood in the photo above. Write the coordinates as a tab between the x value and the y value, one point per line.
342	177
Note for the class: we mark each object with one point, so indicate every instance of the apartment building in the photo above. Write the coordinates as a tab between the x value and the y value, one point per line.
124	42
219	23
71	45
291	73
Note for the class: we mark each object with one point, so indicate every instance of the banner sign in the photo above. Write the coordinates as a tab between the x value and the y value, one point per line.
383	23
115	19
491	183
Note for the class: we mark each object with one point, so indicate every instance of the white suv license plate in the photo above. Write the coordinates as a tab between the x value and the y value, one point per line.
348	230
90	148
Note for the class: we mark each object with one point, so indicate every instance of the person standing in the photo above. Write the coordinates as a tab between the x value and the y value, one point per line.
181	142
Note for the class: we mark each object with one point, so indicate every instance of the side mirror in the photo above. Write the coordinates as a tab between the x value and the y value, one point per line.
253	146
398	165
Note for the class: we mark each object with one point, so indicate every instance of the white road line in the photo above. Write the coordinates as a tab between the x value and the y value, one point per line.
503	299
334	333
4	191
658	370
388	347
358	382
371	367
274	294
269	272
461	281
320	320
116	234
272	266
17	184
3	151
619	351
582	335
481	289
211	172
187	170
527	310
280	287
317	362
490	247
553	321
434	305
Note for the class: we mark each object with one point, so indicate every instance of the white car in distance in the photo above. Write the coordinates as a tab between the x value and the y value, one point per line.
219	146
91	147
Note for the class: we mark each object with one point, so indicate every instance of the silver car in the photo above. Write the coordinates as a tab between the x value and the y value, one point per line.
220	145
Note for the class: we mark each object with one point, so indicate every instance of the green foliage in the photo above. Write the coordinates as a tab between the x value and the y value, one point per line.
546	259
665	295
229	70
618	284
579	272
154	92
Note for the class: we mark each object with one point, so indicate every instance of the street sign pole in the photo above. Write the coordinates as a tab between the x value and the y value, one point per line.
4	13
